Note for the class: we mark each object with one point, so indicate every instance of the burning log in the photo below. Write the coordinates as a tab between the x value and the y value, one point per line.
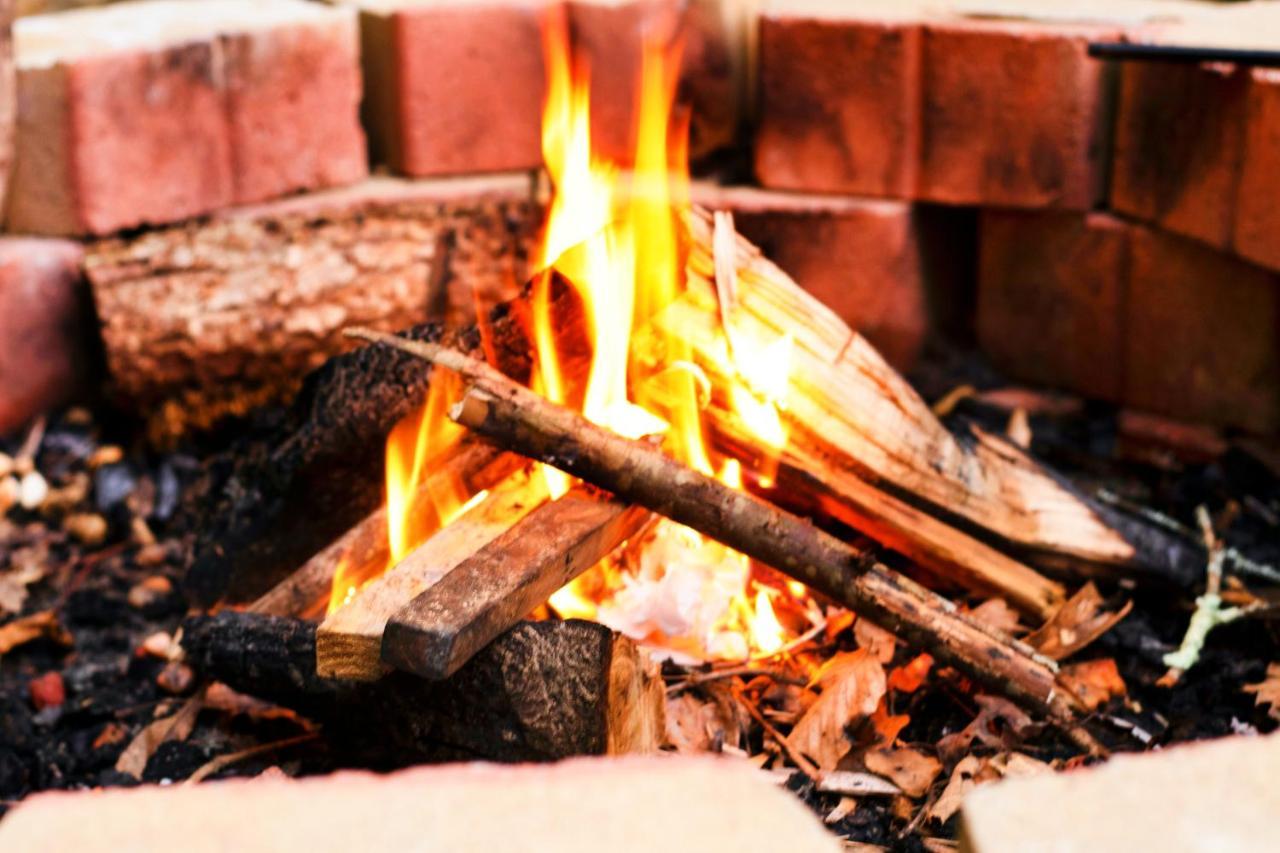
442	628
850	411
540	692
518	419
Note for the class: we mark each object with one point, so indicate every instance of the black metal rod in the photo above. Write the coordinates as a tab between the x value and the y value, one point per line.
1184	53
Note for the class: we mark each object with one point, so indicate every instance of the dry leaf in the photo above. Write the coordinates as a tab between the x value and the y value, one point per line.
174	727
888	726
220	697
1012	765
967	775
911	771
695	725
43	624
1267	691
221	762
853	683
1094	682
996	613
908	677
876	640
999	724
1076	624
1019	428
843	809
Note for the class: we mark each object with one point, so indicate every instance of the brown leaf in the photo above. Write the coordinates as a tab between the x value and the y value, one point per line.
911	771
996	613
1094	682
220	697
968	774
999	724
1019	428
1267	691
144	745
42	624
1076	624
853	683
1014	764
696	725
879	642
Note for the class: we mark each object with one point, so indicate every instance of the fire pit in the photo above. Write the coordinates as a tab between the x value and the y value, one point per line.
521	470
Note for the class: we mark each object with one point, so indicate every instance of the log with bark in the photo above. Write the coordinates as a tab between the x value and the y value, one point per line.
8	99
212	318
517	419
540	692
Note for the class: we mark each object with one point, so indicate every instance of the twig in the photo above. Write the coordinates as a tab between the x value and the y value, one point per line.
695	679
805	766
222	762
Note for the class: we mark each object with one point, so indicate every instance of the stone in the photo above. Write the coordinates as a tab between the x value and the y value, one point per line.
45	328
47	691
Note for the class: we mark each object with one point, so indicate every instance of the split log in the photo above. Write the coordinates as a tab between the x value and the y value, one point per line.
851	412
517	419
8	99
365	549
446	625
212	318
540	692
349	641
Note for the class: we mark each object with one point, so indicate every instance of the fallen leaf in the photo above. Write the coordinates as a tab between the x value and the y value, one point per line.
879	642
220	762
968	774
1267	691
1076	624
908	677
999	724
111	734
695	725
1019	428
888	726
1094	682
26	566
1012	765
856	784
220	697
177	726
853	683
911	771
843	809
996	613
43	624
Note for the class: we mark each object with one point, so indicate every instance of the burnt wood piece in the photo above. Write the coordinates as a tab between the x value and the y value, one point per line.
349	640
853	412
540	692
364	550
517	419
305	475
445	626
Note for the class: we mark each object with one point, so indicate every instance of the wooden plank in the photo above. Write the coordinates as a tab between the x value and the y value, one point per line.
349	641
441	629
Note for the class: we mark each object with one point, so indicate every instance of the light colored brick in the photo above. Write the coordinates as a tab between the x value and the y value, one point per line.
624	805
1050	305
45	327
1215	795
145	113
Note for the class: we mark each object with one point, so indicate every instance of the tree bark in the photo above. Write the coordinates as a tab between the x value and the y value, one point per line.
8	98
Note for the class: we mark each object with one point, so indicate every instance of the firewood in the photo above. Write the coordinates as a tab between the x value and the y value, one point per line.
349	641
517	419
365	547
443	627
852	411
540	692
7	100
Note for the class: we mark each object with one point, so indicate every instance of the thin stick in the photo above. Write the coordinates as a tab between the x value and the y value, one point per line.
805	766
222	762
518	419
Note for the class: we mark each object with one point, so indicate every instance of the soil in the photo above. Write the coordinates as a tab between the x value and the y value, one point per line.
114	686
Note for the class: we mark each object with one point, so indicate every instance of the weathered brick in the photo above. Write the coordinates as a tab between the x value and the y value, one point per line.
864	258
1012	114
144	113
1178	145
1257	216
45	327
839	100
293	98
1051	298
1202	338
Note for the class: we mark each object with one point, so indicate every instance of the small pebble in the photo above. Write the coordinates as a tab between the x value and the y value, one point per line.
10	490
107	454
33	490
90	528
47	691
176	677
149	591
158	645
6	464
151	555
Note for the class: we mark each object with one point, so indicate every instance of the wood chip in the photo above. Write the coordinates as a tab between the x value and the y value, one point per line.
855	784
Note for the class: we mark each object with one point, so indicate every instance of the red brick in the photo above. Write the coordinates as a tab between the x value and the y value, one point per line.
1257	219
1051	298
293	99
144	113
861	257
1179	139
44	327
1202	334
839	101
1012	114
